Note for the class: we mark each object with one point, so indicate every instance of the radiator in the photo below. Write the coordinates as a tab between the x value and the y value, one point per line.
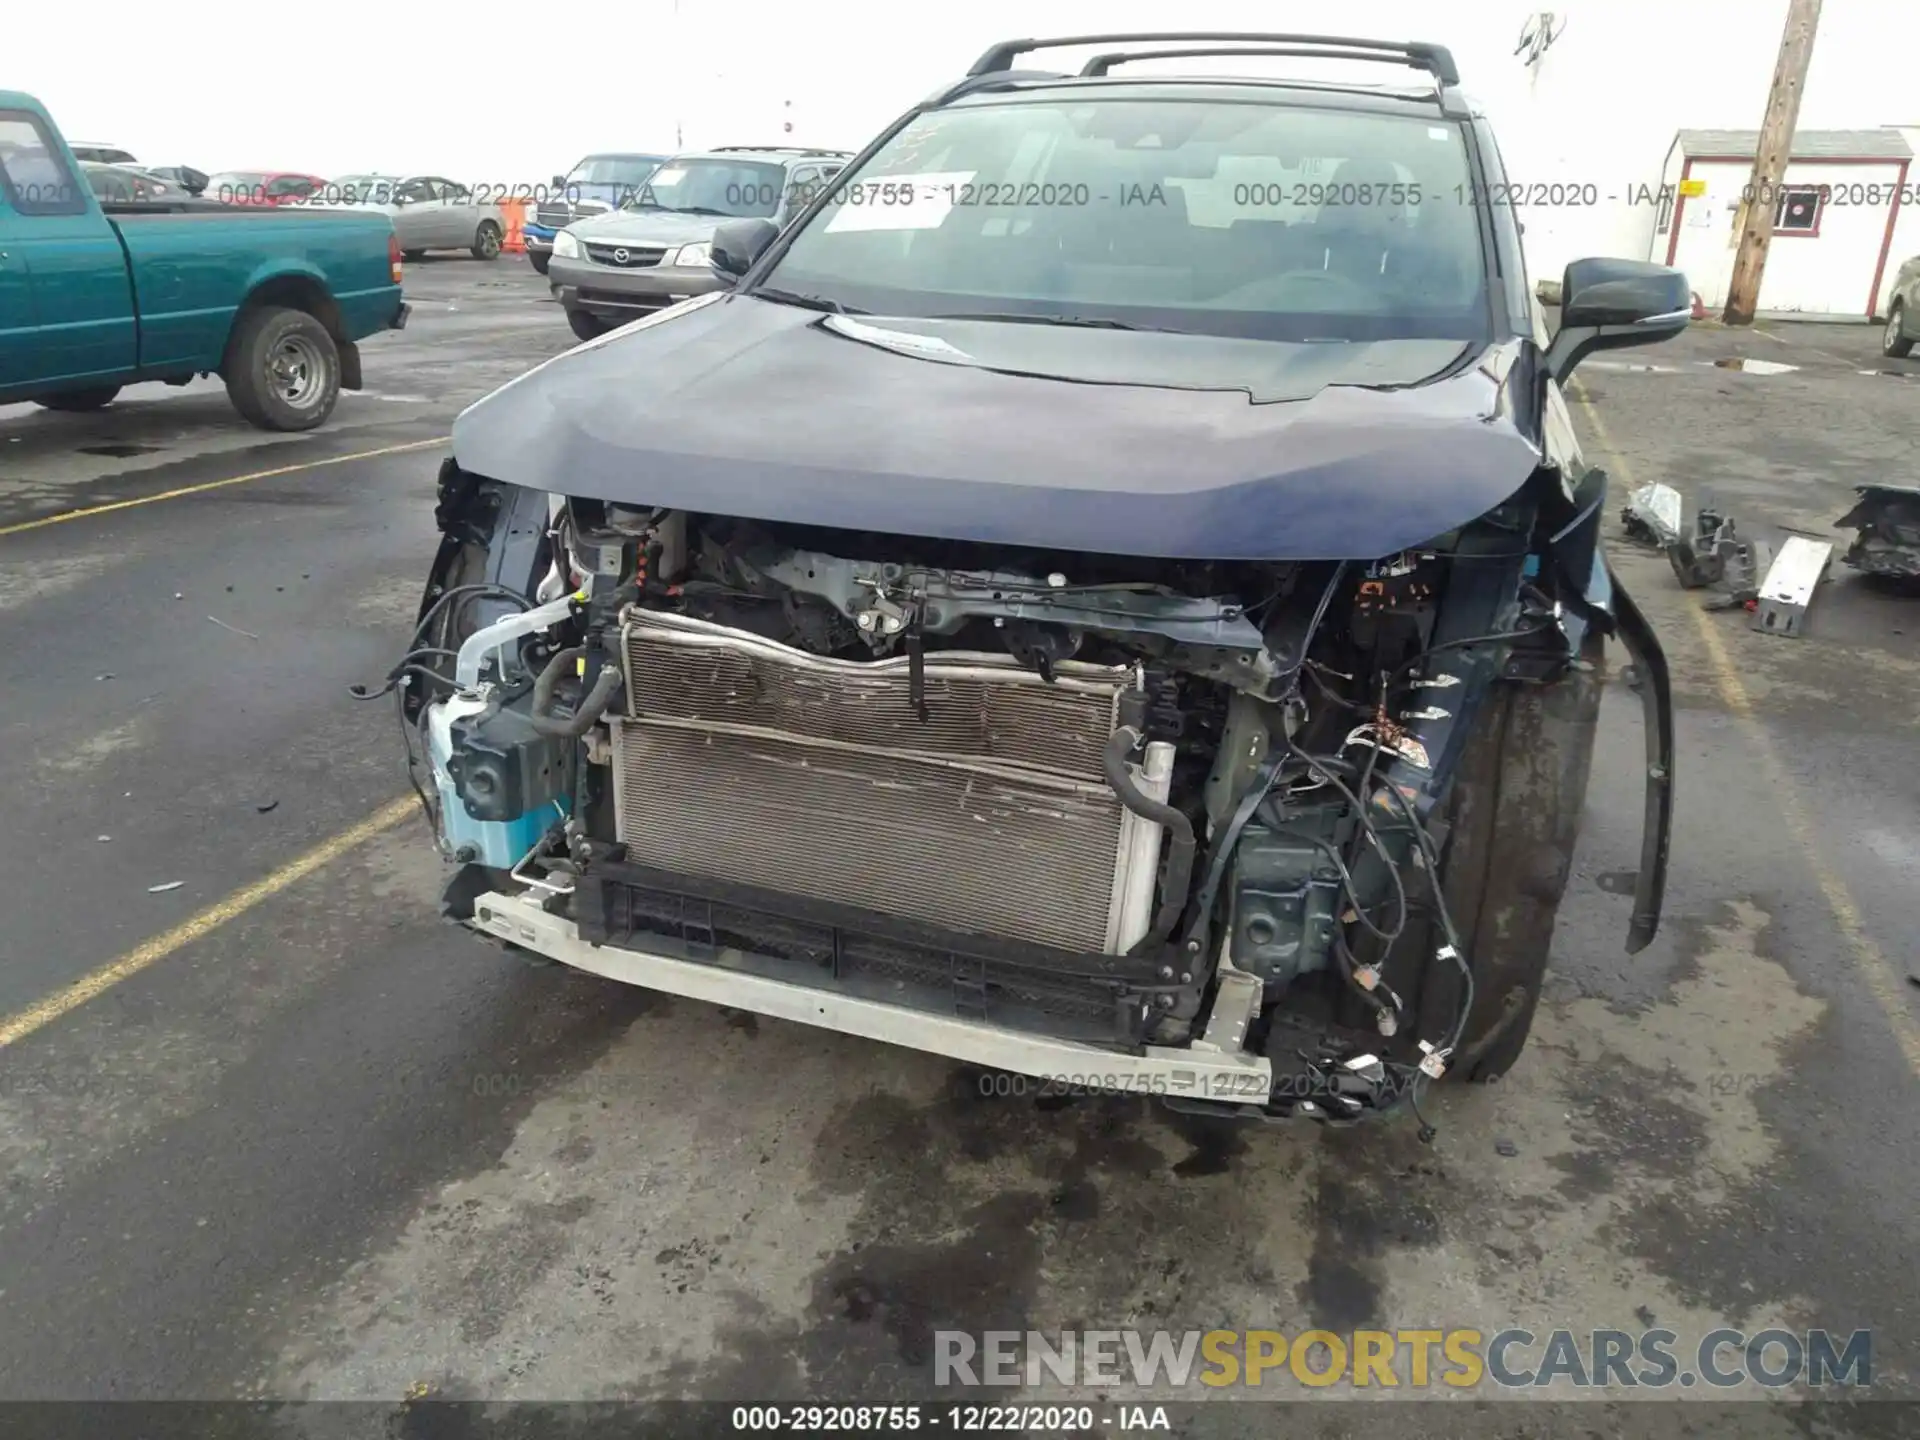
740	759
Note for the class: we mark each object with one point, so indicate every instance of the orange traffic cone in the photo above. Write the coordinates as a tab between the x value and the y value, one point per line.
515	213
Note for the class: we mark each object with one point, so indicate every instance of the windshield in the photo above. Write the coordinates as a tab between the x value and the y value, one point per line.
613	170
1221	218
238	184
363	189
738	188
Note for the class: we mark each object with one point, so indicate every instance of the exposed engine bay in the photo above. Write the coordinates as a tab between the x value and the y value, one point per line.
1127	803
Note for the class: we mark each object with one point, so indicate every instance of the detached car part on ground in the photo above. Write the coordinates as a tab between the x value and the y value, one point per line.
1886	520
1205	713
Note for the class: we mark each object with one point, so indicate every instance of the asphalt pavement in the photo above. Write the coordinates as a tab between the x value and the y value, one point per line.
295	1137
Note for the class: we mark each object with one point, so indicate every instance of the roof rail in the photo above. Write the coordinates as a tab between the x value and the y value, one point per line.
1437	60
967	84
780	149
1101	64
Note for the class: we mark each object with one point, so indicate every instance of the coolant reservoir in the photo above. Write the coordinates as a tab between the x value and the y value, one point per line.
510	772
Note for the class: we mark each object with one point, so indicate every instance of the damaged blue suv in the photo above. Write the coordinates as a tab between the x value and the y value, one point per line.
1109	592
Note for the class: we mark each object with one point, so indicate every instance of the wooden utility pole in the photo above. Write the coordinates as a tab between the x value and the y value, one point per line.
1770	160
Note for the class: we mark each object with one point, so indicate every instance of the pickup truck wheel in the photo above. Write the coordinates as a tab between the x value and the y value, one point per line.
585	325
539	259
283	369
486	241
1893	344
97	398
1513	815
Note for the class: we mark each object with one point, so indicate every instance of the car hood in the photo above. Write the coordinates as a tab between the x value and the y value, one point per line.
1104	442
647	227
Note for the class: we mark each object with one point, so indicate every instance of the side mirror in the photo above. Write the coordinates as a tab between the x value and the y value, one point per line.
738	243
1610	304
559	182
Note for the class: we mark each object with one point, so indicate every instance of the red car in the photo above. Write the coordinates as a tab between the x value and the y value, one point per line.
262	187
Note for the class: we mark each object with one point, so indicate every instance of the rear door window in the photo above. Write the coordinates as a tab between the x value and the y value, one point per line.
35	175
291	187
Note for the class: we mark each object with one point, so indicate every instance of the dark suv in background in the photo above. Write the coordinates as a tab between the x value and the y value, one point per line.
596	185
652	250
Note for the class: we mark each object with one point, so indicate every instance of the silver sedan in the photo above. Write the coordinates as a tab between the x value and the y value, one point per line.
429	212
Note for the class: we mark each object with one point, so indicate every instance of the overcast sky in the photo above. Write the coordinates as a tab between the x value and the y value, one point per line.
373	85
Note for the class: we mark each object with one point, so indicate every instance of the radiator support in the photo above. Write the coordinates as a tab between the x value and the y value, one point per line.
748	762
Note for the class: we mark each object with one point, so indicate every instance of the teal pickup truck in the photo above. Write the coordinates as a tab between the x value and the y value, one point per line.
273	299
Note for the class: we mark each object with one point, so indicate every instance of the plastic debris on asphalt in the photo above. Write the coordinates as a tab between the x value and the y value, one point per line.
1652	515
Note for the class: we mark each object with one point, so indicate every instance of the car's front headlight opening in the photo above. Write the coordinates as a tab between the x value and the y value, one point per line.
566	245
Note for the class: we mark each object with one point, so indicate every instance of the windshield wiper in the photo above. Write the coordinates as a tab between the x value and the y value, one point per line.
699	210
1086	322
805	302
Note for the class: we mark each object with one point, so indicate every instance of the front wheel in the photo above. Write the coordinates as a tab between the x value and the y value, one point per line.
283	369
540	259
585	325
97	398
1514	815
1893	343
486	241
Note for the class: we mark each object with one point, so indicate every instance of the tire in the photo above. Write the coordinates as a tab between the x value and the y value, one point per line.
98	398
540	259
282	369
486	241
1513	817
1893	344
586	326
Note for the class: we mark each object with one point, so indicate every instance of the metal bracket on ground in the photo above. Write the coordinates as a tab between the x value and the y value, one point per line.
1787	592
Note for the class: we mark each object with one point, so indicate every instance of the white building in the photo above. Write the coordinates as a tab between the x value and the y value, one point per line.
1834	217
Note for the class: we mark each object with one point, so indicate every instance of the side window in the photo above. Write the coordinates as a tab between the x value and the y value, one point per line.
1797	212
290	186
458	194
414	191
36	177
803	183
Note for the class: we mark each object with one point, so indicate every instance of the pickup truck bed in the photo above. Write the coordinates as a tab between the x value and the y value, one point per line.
190	270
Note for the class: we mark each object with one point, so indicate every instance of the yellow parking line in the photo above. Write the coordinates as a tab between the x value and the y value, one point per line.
66	515
1882	980
87	987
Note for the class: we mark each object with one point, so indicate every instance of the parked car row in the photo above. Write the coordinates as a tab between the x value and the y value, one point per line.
652	247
